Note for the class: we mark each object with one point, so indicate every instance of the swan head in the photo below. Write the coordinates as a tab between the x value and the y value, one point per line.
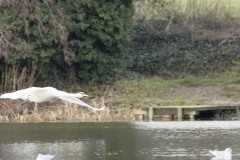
81	94
228	150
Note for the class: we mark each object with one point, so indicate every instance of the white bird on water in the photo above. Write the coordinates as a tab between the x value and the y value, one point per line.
44	157
225	155
37	94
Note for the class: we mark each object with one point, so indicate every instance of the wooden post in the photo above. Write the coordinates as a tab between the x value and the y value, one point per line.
219	113
150	113
191	117
238	112
217	116
140	117
179	114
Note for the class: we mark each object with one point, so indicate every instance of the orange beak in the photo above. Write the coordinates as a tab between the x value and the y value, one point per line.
84	95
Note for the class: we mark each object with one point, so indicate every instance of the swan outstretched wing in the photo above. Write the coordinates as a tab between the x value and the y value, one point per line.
20	93
44	157
77	101
39	97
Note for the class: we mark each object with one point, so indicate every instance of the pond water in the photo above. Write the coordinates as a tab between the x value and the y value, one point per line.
186	140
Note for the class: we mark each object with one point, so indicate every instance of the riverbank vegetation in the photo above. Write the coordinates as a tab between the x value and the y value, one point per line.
124	97
122	58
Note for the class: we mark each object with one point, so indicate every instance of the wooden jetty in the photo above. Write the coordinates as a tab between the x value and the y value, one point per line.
191	111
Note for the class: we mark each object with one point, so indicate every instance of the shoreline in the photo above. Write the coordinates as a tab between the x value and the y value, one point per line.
122	99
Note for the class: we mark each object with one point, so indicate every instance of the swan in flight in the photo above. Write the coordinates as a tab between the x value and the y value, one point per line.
44	157
226	155
37	94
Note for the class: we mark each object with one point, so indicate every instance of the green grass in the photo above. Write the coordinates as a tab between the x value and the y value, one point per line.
192	81
229	78
232	5
231	91
157	84
155	91
215	79
199	102
178	101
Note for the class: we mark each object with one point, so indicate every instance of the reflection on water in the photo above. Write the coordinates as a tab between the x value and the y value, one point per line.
119	141
82	150
190	140
188	125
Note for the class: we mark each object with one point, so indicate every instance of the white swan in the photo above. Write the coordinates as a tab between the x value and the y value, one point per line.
37	94
44	157
226	154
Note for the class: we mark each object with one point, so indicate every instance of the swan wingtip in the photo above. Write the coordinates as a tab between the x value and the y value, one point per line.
103	107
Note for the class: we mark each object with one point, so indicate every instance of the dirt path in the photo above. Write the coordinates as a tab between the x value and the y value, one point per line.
203	94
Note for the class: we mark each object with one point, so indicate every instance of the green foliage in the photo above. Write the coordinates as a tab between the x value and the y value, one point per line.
231	91
88	37
178	101
105	36
154	51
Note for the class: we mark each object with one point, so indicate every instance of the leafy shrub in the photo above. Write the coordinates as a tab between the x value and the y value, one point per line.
87	37
153	51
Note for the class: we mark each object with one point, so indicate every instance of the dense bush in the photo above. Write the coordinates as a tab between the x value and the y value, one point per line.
83	39
106	36
91	41
154	51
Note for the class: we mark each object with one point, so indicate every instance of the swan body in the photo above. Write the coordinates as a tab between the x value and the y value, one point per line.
226	154
37	94
44	157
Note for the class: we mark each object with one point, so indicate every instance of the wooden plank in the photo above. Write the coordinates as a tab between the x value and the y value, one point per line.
201	109
209	108
181	110
140	117
189	112
196	106
191	117
173	111
161	111
141	112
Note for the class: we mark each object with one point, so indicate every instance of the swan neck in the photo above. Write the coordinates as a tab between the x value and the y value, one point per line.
64	94
74	95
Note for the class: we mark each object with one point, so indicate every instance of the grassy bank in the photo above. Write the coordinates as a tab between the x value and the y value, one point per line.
157	91
126	96
175	63
232	5
190	37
